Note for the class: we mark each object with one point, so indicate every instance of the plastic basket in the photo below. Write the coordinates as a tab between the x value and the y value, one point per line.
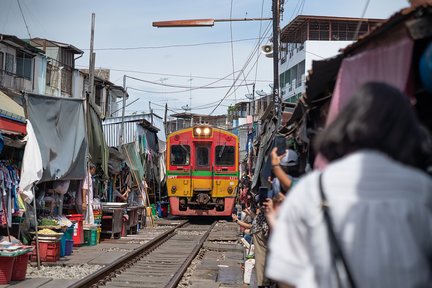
20	267
78	233
49	251
69	232
69	247
63	245
6	266
90	237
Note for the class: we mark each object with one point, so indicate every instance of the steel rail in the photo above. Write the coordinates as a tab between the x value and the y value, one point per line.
106	271
179	274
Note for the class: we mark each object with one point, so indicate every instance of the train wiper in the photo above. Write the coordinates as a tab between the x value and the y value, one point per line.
221	151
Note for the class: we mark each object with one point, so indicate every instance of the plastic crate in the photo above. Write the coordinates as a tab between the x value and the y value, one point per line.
49	251
69	232
6	266
20	267
69	247
78	234
90	237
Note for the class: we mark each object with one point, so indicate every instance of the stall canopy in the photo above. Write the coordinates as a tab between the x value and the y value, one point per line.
133	161
98	148
12	119
59	125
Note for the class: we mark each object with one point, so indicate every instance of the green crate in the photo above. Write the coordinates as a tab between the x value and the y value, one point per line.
90	237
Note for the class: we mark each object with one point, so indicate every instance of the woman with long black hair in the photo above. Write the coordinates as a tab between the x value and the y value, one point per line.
366	219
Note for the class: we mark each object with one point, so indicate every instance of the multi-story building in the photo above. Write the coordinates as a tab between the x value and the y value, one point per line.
309	38
20	64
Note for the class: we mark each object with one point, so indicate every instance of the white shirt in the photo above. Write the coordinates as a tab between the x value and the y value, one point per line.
382	214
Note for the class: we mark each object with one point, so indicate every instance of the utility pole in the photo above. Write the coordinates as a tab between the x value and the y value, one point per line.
92	59
121	138
276	31
165	119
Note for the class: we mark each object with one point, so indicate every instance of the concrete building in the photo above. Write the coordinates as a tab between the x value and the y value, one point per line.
309	38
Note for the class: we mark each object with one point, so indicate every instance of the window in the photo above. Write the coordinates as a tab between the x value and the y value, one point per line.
9	63
180	155
1	60
202	156
66	84
49	74
23	65
225	155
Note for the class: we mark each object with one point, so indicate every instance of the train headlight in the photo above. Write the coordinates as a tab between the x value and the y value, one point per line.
173	189
230	190
202	131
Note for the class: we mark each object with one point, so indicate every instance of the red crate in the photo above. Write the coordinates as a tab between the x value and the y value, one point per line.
6	265
49	251
20	267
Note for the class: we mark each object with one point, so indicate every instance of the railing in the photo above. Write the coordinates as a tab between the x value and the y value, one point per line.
14	81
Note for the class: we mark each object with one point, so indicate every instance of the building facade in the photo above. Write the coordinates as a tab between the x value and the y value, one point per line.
309	38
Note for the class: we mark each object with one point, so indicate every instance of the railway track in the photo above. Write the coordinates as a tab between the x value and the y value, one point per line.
159	263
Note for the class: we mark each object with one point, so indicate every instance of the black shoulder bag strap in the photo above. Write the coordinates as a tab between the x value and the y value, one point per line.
336	250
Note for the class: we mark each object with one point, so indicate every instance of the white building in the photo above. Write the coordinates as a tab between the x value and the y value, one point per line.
309	38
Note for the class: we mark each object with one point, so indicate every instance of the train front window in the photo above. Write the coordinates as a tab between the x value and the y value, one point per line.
180	155
202	156
225	155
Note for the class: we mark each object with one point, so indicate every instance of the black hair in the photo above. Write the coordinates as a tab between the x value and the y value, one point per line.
378	117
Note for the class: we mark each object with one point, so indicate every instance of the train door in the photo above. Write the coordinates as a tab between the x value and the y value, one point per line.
202	170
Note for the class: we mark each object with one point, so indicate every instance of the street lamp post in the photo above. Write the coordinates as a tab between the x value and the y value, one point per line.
276	31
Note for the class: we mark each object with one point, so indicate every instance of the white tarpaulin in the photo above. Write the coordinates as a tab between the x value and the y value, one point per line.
31	169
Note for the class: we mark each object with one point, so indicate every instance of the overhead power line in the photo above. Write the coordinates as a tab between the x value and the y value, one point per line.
25	22
168	74
170	46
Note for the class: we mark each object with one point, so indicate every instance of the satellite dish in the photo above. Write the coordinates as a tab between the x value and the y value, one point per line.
261	93
249	96
186	108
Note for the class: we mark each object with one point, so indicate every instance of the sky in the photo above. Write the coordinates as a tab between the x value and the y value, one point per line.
183	67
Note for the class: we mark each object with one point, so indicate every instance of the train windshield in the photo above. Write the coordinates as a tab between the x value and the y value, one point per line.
202	156
225	155
180	155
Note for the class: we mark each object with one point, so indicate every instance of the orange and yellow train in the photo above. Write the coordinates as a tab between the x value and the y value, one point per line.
202	171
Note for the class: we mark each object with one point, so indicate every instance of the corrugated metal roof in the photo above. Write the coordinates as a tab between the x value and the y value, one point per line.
111	127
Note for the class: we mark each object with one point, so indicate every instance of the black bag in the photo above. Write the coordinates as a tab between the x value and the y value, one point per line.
339	261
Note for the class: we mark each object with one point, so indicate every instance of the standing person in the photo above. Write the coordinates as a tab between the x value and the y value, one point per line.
87	194
378	197
286	165
260	233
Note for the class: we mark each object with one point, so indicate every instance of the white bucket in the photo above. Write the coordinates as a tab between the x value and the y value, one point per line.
249	265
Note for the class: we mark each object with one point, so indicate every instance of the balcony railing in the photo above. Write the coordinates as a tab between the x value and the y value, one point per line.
14	82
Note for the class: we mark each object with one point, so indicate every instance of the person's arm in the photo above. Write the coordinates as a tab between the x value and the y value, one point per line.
284	179
241	223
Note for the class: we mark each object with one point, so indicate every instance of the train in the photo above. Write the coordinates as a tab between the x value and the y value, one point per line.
202	166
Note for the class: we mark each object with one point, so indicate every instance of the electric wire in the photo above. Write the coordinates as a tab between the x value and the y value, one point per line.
169	46
232	46
362	16
259	36
166	74
25	22
244	67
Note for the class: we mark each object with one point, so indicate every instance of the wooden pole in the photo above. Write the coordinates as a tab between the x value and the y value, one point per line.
36	227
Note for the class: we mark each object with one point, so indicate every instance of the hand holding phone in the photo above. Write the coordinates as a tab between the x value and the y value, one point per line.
263	194
280	144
